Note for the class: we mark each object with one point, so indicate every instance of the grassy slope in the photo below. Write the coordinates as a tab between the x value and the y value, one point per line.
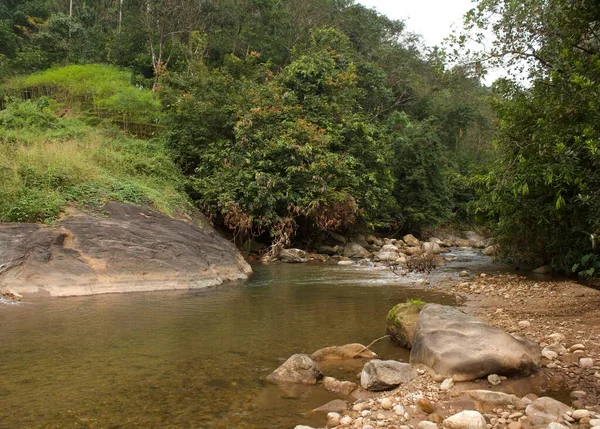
47	163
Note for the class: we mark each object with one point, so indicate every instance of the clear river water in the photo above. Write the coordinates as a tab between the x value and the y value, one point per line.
195	359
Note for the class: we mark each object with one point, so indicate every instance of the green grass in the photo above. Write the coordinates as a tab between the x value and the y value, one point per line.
48	163
94	89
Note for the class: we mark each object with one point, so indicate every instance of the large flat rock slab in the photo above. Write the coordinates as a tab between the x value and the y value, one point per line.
454	344
130	249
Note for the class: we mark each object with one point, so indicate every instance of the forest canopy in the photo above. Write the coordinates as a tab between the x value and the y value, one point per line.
285	119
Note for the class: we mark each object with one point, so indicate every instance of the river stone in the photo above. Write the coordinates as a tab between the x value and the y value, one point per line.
555	425
545	410
355	250
489	250
487	400
424	424
348	351
303	427
453	344
130	248
544	269
468	419
386	256
402	322
334	385
378	375
335	406
411	240
299	368
326	250
292	256
433	248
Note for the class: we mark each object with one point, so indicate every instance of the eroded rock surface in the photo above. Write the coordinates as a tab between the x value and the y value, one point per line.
130	249
453	344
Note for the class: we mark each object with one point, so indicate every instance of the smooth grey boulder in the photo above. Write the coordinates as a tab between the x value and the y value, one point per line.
453	344
546	410
299	368
378	375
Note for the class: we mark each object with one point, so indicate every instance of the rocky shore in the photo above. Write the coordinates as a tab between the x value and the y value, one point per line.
557	323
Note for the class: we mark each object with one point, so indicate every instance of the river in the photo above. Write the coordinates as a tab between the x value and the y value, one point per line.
194	359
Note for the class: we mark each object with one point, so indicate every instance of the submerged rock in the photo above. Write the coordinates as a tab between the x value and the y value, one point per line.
334	385
348	351
378	375
453	344
299	368
130	249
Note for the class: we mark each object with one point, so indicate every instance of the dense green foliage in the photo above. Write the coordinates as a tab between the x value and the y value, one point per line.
543	194
284	116
47	163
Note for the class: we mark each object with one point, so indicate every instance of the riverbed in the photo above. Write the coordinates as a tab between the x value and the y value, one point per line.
195	359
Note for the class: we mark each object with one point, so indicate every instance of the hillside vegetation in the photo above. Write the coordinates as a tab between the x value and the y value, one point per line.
282	120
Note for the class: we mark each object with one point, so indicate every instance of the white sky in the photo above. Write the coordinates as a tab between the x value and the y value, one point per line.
433	19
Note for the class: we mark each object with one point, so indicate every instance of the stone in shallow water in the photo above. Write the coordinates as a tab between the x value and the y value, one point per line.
299	368
453	344
347	351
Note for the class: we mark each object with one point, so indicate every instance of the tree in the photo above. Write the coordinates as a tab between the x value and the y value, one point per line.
543	196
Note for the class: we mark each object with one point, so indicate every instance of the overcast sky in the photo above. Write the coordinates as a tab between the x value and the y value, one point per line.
433	19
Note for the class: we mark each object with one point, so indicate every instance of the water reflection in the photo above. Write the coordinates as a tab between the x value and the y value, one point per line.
195	359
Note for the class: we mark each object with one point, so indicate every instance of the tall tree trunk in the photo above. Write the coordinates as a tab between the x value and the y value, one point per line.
120	15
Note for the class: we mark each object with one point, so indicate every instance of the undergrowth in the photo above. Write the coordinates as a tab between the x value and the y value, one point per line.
47	163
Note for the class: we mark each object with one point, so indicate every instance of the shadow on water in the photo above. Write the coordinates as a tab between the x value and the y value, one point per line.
191	359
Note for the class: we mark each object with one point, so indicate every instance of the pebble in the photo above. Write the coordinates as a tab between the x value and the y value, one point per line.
515	425
427	425
595	422
576	347
368	427
494	379
555	425
333	419
549	354
524	323
386	403
346	420
463	274
399	410
556	337
447	384
586	362
580	414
